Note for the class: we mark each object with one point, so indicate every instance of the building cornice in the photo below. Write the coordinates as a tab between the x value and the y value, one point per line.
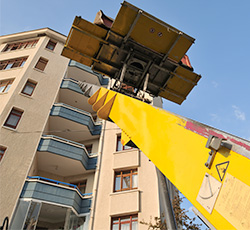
33	34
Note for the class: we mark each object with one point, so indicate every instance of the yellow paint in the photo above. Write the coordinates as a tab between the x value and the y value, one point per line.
81	35
124	138
179	153
234	203
95	46
158	35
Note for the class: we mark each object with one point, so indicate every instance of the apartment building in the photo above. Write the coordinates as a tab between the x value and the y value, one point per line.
60	166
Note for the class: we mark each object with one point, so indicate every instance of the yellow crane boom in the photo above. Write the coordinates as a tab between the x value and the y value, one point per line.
210	167
144	55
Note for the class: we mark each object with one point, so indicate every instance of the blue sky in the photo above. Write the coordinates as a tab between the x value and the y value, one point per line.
220	53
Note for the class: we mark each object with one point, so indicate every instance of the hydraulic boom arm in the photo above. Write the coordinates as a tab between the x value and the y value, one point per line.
211	168
146	56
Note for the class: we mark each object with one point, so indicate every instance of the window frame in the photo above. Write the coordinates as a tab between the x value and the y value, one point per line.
51	43
20	45
30	83
7	86
12	63
120	221
81	184
42	61
2	152
122	174
123	147
14	112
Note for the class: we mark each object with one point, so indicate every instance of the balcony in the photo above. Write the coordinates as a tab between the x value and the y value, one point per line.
72	123
56	192
71	94
82	72
63	157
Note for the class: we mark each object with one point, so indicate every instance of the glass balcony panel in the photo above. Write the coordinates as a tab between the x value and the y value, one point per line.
32	217
59	194
20	214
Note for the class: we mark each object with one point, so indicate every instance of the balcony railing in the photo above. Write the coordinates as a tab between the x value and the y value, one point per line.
69	142
59	183
70	83
102	80
76	115
67	148
53	191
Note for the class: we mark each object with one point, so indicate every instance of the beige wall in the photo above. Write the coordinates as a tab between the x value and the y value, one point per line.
143	200
20	159
16	73
22	142
34	168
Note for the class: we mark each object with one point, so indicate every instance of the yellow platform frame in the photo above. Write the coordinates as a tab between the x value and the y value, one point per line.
106	49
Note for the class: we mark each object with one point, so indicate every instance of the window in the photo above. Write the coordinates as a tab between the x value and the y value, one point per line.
125	223
81	185
41	64
13	63
5	85
51	45
88	148
20	45
2	151
13	118
125	180
29	88
119	146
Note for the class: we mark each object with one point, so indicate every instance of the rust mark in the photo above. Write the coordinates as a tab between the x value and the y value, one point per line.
247	147
202	130
205	132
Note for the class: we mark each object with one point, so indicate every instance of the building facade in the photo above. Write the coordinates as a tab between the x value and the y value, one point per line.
60	166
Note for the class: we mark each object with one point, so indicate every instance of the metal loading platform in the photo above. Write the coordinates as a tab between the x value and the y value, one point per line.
137	50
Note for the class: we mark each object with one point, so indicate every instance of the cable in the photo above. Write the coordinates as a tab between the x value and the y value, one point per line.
67	130
6	220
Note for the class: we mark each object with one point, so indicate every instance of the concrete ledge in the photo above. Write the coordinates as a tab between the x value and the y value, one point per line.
126	202
126	159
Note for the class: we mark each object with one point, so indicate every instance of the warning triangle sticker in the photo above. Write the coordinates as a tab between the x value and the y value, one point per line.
221	169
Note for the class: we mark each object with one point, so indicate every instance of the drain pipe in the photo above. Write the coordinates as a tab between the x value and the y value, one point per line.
88	90
97	176
165	201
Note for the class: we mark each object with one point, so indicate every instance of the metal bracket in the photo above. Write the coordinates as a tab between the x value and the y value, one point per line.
124	68
214	143
210	159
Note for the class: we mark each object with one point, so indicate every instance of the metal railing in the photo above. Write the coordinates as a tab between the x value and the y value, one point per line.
59	183
66	141
78	111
